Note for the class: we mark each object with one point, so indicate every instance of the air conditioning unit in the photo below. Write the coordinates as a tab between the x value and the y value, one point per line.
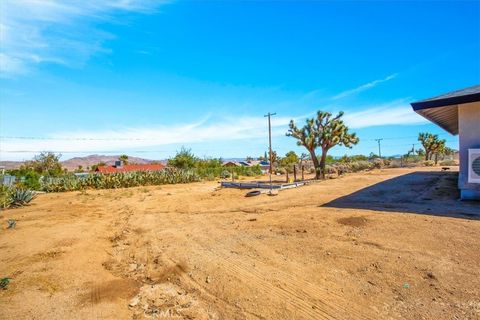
473	165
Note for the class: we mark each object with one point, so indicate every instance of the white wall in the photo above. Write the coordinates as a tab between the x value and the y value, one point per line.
469	137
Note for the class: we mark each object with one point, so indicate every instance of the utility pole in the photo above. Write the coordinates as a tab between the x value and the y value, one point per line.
379	149
269	115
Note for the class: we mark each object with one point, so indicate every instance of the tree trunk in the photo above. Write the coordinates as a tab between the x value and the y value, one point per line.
323	162
315	164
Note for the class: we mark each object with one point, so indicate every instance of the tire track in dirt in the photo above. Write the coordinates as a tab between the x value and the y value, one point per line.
290	293
307	300
330	304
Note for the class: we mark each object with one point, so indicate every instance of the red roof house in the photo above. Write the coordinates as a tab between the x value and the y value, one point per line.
129	168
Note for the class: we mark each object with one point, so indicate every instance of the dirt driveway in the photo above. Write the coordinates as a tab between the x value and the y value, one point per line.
386	244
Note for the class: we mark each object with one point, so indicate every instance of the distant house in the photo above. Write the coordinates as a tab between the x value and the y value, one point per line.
120	167
458	112
231	164
264	165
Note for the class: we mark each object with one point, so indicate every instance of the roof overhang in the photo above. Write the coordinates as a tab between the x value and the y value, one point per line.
443	110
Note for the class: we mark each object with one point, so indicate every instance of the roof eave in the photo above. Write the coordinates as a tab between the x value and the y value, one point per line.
443	102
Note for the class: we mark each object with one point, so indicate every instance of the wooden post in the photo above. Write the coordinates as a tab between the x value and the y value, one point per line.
303	169
286	171
294	173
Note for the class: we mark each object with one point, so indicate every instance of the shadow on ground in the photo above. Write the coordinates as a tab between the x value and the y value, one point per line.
432	193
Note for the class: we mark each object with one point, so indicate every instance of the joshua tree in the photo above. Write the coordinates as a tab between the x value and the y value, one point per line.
323	132
431	143
123	158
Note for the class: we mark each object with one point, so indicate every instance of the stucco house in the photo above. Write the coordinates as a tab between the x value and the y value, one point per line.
458	112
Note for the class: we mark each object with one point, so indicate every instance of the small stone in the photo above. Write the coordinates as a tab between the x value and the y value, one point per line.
208	279
134	301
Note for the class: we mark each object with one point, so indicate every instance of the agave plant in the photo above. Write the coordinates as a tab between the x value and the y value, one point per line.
21	197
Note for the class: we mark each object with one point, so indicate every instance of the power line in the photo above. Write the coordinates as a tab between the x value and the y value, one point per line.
150	139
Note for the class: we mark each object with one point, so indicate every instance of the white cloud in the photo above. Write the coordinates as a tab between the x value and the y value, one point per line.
55	31
226	129
393	113
363	87
208	130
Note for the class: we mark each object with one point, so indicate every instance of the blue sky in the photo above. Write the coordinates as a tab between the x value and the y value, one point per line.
147	77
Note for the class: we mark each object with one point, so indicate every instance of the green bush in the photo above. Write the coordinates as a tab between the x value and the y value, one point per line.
5	196
225	174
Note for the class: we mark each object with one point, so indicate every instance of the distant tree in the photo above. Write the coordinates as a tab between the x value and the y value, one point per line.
431	144
46	163
275	158
421	152
79	169
289	160
439	151
249	159
323	132
100	164
292	157
184	159
372	156
123	158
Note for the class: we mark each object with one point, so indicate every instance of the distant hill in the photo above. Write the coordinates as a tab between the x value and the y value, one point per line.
88	161
11	164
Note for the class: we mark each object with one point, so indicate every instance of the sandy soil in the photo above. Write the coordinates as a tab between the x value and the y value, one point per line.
375	245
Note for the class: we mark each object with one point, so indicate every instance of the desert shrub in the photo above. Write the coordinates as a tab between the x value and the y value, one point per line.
448	163
342	169
429	163
329	169
225	174
5	196
378	163
360	166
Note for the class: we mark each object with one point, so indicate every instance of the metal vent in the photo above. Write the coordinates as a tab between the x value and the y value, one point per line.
474	165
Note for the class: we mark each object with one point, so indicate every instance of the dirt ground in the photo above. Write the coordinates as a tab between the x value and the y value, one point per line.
386	244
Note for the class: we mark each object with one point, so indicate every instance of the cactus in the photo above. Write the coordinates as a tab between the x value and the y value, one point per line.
119	180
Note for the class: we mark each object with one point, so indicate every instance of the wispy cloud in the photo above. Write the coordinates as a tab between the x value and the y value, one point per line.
397	112
209	130
204	131
363	87
54	31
